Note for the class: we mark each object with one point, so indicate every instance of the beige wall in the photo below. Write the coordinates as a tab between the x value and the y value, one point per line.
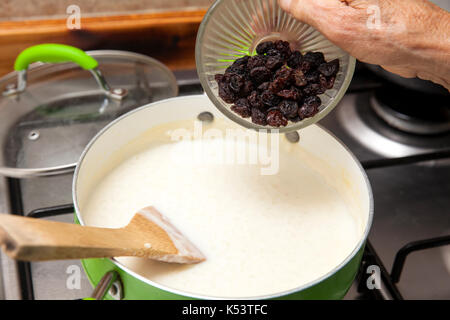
48	9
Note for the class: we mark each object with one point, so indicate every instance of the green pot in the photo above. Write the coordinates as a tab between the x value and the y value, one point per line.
317	141
333	288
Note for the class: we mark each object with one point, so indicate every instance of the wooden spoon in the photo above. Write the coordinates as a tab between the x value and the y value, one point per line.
149	234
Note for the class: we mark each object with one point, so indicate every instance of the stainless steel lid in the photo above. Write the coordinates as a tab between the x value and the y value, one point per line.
48	117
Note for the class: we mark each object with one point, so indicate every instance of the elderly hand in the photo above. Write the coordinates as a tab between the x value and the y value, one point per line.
408	37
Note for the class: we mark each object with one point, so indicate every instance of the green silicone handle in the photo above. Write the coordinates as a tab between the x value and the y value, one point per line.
54	53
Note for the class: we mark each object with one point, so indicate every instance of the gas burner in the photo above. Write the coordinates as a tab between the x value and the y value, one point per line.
358	117
411	111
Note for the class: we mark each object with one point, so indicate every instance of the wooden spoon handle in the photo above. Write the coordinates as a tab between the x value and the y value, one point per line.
32	239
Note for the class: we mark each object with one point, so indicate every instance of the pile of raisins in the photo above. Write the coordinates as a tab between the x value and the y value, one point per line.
277	85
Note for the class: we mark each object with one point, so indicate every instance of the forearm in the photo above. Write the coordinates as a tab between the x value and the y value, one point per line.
430	47
410	38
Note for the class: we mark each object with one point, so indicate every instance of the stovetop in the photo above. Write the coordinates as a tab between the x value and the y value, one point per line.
408	243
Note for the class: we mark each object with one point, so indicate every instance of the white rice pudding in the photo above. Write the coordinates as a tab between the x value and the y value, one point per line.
261	234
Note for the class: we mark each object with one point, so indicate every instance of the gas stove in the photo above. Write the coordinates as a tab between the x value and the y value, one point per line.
408	253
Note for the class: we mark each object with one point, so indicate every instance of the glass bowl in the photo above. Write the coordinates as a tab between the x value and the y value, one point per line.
233	28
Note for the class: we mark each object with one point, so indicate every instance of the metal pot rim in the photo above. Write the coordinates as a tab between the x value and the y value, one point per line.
360	244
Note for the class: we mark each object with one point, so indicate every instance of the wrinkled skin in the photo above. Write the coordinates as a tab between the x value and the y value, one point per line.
413	38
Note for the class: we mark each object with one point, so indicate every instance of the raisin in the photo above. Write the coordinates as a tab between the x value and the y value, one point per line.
326	83
323	82
242	61
260	75
246	89
277	85
270	99
289	108
274	63
307	111
258	117
218	77
314	58
272	108
282	80
331	82
312	89
255	100
313	76
310	107
237	69
256	61
321	90
263	47
329	69
284	73
299	78
236	83
243	102
276	119
264	86
273	53
239	66
295	60
313	101
283	48
225	92
242	108
298	91
317	89
292	94
305	66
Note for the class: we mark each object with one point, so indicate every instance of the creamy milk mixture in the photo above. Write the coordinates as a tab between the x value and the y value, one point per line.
260	234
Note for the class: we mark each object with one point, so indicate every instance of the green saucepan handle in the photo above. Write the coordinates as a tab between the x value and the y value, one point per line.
54	53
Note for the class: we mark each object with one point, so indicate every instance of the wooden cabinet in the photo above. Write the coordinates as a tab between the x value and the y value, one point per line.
168	36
